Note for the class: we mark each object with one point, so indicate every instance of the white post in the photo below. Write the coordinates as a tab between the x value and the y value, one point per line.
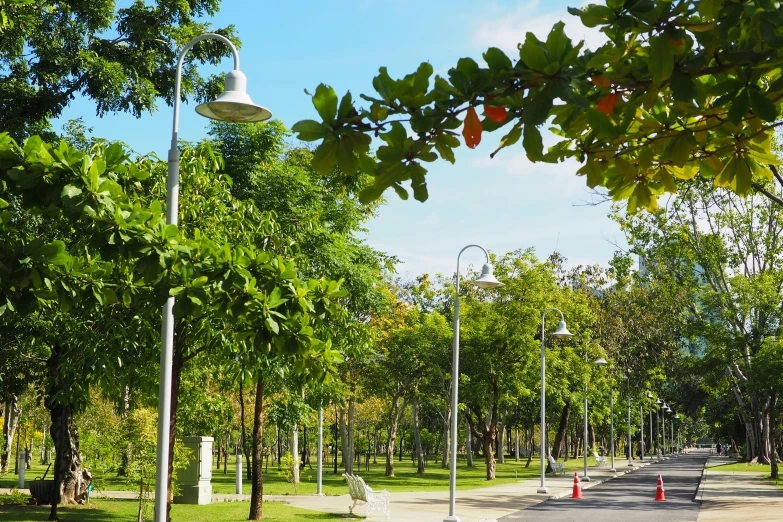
611	425
641	430
239	472
542	488
630	440
455	397
167	327
21	464
319	482
295	452
585	478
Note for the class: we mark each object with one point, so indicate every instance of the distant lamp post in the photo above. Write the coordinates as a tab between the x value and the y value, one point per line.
611	424
679	447
652	443
630	441
486	281
658	401
600	361
664	410
560	333
235	105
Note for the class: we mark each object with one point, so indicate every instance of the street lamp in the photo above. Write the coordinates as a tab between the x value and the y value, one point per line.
485	281
641	431
232	105
600	361
630	442
560	333
679	447
658	425
611	424
650	396
664	409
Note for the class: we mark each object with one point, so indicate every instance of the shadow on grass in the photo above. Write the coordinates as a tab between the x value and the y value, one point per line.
36	513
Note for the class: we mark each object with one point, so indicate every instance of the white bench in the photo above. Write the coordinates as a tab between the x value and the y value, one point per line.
599	459
375	500
558	468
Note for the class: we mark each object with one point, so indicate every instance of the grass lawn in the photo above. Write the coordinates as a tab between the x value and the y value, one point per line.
406	479
742	466
126	511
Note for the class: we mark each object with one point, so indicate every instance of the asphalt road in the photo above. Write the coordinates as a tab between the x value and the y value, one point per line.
629	498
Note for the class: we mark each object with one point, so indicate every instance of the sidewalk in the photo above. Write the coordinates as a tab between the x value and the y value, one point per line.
737	496
473	505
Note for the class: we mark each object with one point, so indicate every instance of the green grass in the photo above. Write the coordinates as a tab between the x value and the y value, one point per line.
406	479
742	466
126	511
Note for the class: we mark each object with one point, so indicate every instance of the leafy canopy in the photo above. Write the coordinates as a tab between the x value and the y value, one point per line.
681	88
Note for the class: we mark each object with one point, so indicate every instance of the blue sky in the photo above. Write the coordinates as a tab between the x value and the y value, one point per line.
505	203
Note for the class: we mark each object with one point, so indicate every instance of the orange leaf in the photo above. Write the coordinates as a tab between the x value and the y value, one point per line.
607	103
676	43
601	81
497	114
471	130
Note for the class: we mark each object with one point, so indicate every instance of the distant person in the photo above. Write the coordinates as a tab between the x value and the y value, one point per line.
719	448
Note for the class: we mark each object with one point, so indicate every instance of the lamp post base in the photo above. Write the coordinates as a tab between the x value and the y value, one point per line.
451	518
585	478
542	490
630	464
613	470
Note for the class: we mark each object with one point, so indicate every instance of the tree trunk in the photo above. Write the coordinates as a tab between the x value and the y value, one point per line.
343	439
394	420
489	453
176	378
444	461
257	476
350	432
530	446
591	437
11	414
71	480
561	431
468	442
501	443
243	426
516	444
417	436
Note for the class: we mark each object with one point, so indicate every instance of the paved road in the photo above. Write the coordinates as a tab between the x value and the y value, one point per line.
629	498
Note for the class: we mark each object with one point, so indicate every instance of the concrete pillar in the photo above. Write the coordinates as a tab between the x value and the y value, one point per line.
21	465
239	473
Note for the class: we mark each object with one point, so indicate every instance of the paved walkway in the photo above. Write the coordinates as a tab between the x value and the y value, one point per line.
738	496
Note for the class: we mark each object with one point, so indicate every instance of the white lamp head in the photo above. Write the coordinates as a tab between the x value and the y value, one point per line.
234	104
486	280
649	395
677	416
561	331
658	401
601	361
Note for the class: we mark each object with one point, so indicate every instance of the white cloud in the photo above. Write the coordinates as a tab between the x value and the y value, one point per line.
508	29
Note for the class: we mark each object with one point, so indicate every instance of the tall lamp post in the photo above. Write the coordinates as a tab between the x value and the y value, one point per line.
650	396
641	431
560	333
486	281
235	105
630	441
600	361
658	401
664	411
611	425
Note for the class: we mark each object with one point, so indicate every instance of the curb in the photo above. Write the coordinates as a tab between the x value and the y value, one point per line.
594	483
699	493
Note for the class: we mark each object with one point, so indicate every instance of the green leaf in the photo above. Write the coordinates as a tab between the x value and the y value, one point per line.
325	101
532	53
509	139
661	62
709	9
537	109
497	60
680	150
325	156
683	88
763	106
557	41
310	130
126	298
739	108
272	325
601	123
534	145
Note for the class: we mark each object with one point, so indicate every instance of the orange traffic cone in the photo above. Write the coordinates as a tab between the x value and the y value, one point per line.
577	487
659	492
711	452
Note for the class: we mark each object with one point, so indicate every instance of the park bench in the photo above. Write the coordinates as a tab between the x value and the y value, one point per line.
599	459
375	500
558	468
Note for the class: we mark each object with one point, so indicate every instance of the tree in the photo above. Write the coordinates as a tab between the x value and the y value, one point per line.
724	252
680	89
123	59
